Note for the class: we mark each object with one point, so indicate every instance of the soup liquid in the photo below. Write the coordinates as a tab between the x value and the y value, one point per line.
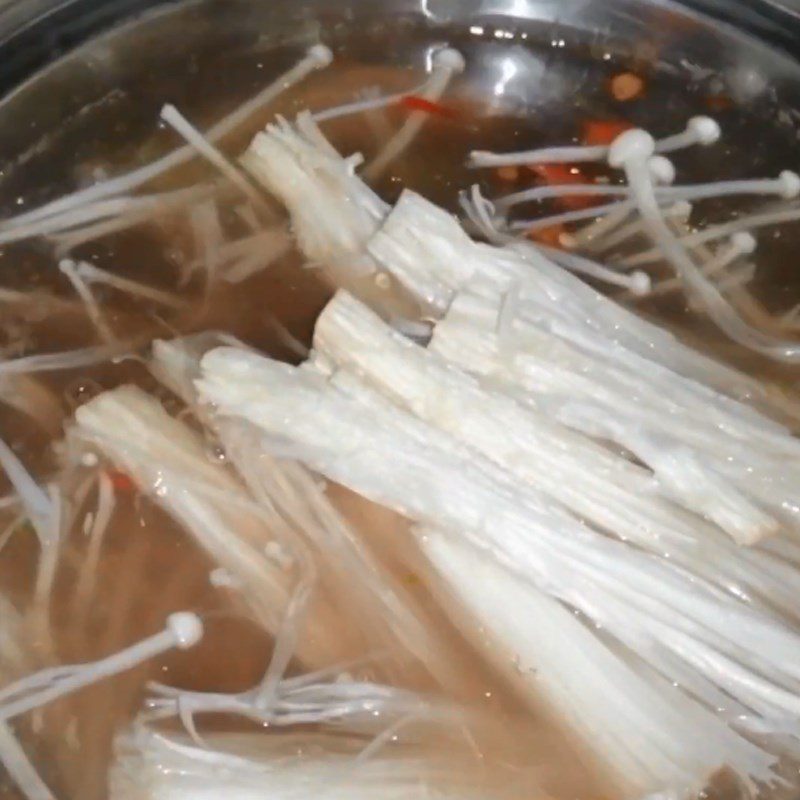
148	566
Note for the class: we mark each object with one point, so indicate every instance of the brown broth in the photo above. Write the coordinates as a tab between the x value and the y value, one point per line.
148	566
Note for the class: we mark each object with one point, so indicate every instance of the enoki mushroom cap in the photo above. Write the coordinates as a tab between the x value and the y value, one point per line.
321	53
186	627
789	184
640	283
744	242
682	209
449	58
633	145
662	170
705	129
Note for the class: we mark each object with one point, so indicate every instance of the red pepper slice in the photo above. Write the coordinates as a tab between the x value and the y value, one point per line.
414	102
603	132
565	175
121	481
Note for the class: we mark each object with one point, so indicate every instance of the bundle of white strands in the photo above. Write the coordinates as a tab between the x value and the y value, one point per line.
608	514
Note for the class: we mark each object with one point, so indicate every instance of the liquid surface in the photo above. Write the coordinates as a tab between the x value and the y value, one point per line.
536	86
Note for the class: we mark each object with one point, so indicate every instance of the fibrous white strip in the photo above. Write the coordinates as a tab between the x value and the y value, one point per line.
741	244
604	240
638	283
567	217
699	130
15	660
170	462
69	359
311	182
409	483
445	64
346	431
297	497
91	274
100	521
601	487
212	154
183	630
366	104
632	151
255	253
49	302
207	240
295	701
787	186
714	233
553	656
101	217
44	509
284	767
428	252
169	203
19	767
93	310
318	56
552	374
595	233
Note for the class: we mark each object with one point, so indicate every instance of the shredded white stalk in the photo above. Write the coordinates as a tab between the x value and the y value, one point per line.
631	152
596	232
366	104
69	268
787	186
183	630
289	766
170	462
91	274
566	217
37	501
19	767
40	300
297	497
677	214
247	257
295	701
714	233
208	239
213	155
15	661
428	252
101	519
445	64
603	488
643	730
318	56
539	193
550	374
638	283
700	130
87	222
346	431
69	359
302	393
425	249
480	159
313	183
163	204
716	266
